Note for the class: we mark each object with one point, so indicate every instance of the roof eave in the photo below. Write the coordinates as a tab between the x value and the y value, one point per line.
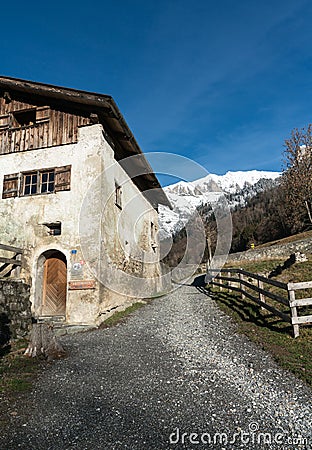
89	99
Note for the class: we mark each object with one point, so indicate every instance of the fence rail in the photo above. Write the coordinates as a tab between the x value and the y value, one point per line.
12	263
252	286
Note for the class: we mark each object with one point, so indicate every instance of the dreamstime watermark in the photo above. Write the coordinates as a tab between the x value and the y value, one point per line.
100	226
253	436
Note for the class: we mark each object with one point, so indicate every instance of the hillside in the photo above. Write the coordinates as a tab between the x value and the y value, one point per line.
255	210
187	197
288	239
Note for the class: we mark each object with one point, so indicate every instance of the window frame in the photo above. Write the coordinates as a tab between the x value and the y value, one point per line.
39	183
118	195
18	118
153	236
14	185
48	182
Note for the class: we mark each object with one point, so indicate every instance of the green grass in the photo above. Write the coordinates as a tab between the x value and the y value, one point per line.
296	273
17	373
267	330
17	370
258	266
19	385
120	316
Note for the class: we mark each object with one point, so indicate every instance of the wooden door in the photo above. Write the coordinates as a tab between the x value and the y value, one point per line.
54	287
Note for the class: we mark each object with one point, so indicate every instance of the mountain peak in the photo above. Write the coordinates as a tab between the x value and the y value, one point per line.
185	197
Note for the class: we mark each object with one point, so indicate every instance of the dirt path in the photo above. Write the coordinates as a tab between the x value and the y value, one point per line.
175	375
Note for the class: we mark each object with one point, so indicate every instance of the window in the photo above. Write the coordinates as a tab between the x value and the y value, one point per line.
47	181
153	232
55	229
153	236
44	181
24	118
39	182
118	194
30	184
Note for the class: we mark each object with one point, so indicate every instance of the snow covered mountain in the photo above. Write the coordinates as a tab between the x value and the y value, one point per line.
185	197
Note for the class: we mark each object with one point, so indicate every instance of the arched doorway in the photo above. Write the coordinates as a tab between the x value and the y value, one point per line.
54	284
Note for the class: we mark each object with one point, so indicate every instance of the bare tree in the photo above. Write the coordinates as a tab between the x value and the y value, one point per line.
297	175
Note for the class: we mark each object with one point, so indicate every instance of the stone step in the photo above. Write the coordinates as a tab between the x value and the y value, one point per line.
51	319
63	329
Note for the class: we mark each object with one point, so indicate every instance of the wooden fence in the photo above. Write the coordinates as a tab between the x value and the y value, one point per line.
11	262
255	288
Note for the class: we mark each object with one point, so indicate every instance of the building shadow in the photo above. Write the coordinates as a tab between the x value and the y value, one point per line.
199	282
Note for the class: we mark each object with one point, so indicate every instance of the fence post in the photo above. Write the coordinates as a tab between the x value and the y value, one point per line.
293	311
261	296
220	281
241	285
229	283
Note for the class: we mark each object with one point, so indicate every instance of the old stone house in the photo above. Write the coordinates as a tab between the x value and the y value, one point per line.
79	197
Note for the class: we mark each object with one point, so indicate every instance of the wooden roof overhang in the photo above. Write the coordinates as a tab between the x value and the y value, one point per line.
118	133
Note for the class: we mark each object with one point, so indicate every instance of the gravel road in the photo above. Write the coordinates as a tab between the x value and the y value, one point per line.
174	375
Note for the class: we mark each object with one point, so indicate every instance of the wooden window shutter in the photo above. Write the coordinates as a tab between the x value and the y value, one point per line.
4	121
10	186
62	178
42	114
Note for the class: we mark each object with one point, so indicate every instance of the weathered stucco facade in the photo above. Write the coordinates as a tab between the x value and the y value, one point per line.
94	240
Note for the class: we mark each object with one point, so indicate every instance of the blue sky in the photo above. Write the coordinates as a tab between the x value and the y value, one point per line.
222	83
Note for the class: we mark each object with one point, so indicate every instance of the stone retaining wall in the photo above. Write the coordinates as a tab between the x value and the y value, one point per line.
15	312
274	251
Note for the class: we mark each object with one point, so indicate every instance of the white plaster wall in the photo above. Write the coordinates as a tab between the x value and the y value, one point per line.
89	219
130	249
124	237
21	218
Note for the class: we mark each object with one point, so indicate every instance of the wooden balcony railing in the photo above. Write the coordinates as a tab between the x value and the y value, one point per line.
10	260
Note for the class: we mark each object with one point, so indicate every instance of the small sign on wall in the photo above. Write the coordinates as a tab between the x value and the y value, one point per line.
81	284
76	270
